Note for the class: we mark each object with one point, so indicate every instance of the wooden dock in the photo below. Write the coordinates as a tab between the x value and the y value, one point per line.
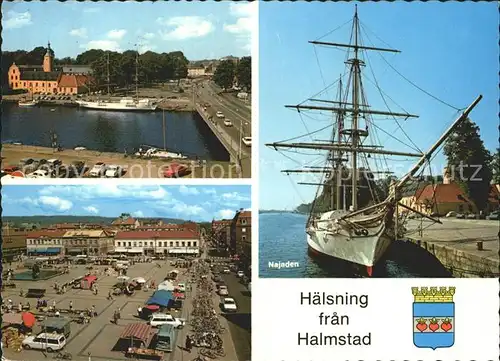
467	248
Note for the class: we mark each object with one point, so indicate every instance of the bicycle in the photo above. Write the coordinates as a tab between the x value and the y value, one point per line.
62	355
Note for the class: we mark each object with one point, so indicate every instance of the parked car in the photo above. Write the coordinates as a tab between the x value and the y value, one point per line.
451	214
247	141
471	216
45	341
229	305
219	114
228	123
240	274
226	270
223	291
494	216
40	173
181	287
159	319
11	169
176	170
98	170
113	171
460	216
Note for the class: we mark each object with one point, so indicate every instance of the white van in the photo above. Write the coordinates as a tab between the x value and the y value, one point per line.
45	341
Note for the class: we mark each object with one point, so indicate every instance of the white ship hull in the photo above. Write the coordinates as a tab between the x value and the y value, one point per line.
329	238
119	106
27	104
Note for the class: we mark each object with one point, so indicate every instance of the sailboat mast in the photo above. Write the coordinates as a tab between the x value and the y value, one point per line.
107	71
338	173
164	135
355	113
137	74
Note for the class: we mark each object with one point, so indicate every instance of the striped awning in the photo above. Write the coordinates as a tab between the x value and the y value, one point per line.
139	331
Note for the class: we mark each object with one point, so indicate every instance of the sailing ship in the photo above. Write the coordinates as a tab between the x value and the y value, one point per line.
124	104
358	235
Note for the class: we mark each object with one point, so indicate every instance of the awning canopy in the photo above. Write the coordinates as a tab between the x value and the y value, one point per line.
28	319
167	286
12	318
184	251
139	331
161	298
50	250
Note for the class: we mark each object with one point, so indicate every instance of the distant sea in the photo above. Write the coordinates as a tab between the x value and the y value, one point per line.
282	238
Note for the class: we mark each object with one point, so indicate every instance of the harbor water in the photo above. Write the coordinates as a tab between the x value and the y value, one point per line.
282	238
109	131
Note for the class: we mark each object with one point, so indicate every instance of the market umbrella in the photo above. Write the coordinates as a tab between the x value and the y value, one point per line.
139	280
123	278
28	319
152	307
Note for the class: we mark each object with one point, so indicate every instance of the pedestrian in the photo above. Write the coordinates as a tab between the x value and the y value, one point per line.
188	344
93	313
54	304
70	306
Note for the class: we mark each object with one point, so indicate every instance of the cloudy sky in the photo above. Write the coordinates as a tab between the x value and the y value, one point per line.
200	29
197	203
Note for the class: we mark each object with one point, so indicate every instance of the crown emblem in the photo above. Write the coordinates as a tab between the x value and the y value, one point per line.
433	294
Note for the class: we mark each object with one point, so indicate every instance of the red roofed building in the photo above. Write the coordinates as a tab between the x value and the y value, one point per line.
221	232
48	79
48	242
126	222
443	198
172	242
241	237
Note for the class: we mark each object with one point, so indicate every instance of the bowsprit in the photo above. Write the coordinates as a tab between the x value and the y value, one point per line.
433	317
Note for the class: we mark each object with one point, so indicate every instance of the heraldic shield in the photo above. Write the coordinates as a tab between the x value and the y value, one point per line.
433	317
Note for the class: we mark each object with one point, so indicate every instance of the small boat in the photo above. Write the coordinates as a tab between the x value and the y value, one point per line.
27	103
53	109
80	148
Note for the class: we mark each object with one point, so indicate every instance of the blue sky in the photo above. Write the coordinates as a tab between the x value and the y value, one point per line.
196	203
200	30
448	49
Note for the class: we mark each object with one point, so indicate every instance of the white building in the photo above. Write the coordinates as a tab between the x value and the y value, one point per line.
172	242
196	71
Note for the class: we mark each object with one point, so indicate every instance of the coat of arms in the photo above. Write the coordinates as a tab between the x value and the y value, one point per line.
433	317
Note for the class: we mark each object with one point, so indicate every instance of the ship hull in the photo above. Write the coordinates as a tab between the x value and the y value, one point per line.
342	244
116	107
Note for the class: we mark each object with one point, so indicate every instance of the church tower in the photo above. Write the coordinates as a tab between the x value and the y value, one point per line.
48	59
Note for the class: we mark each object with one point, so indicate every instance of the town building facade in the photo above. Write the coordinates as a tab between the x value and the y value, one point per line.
47	79
241	236
88	242
125	222
171	242
45	242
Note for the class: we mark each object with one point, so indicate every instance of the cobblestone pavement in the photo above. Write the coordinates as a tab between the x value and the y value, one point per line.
98	337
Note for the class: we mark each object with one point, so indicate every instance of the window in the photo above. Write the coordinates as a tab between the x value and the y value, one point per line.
36	84
177	243
140	244
135	244
130	244
243	230
183	244
159	243
195	244
243	238
118	244
189	244
151	243
171	244
243	221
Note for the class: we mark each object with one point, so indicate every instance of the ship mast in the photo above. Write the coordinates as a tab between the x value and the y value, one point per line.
340	124
107	70
348	140
137	75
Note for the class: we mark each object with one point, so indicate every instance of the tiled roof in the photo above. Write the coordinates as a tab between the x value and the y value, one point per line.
39	75
72	81
86	233
128	220
443	193
46	233
185	234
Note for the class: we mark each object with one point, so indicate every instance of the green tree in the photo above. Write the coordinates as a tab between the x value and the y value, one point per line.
244	73
469	162
224	74
495	166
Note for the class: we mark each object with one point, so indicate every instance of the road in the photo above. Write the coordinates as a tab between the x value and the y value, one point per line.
240	322
239	116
